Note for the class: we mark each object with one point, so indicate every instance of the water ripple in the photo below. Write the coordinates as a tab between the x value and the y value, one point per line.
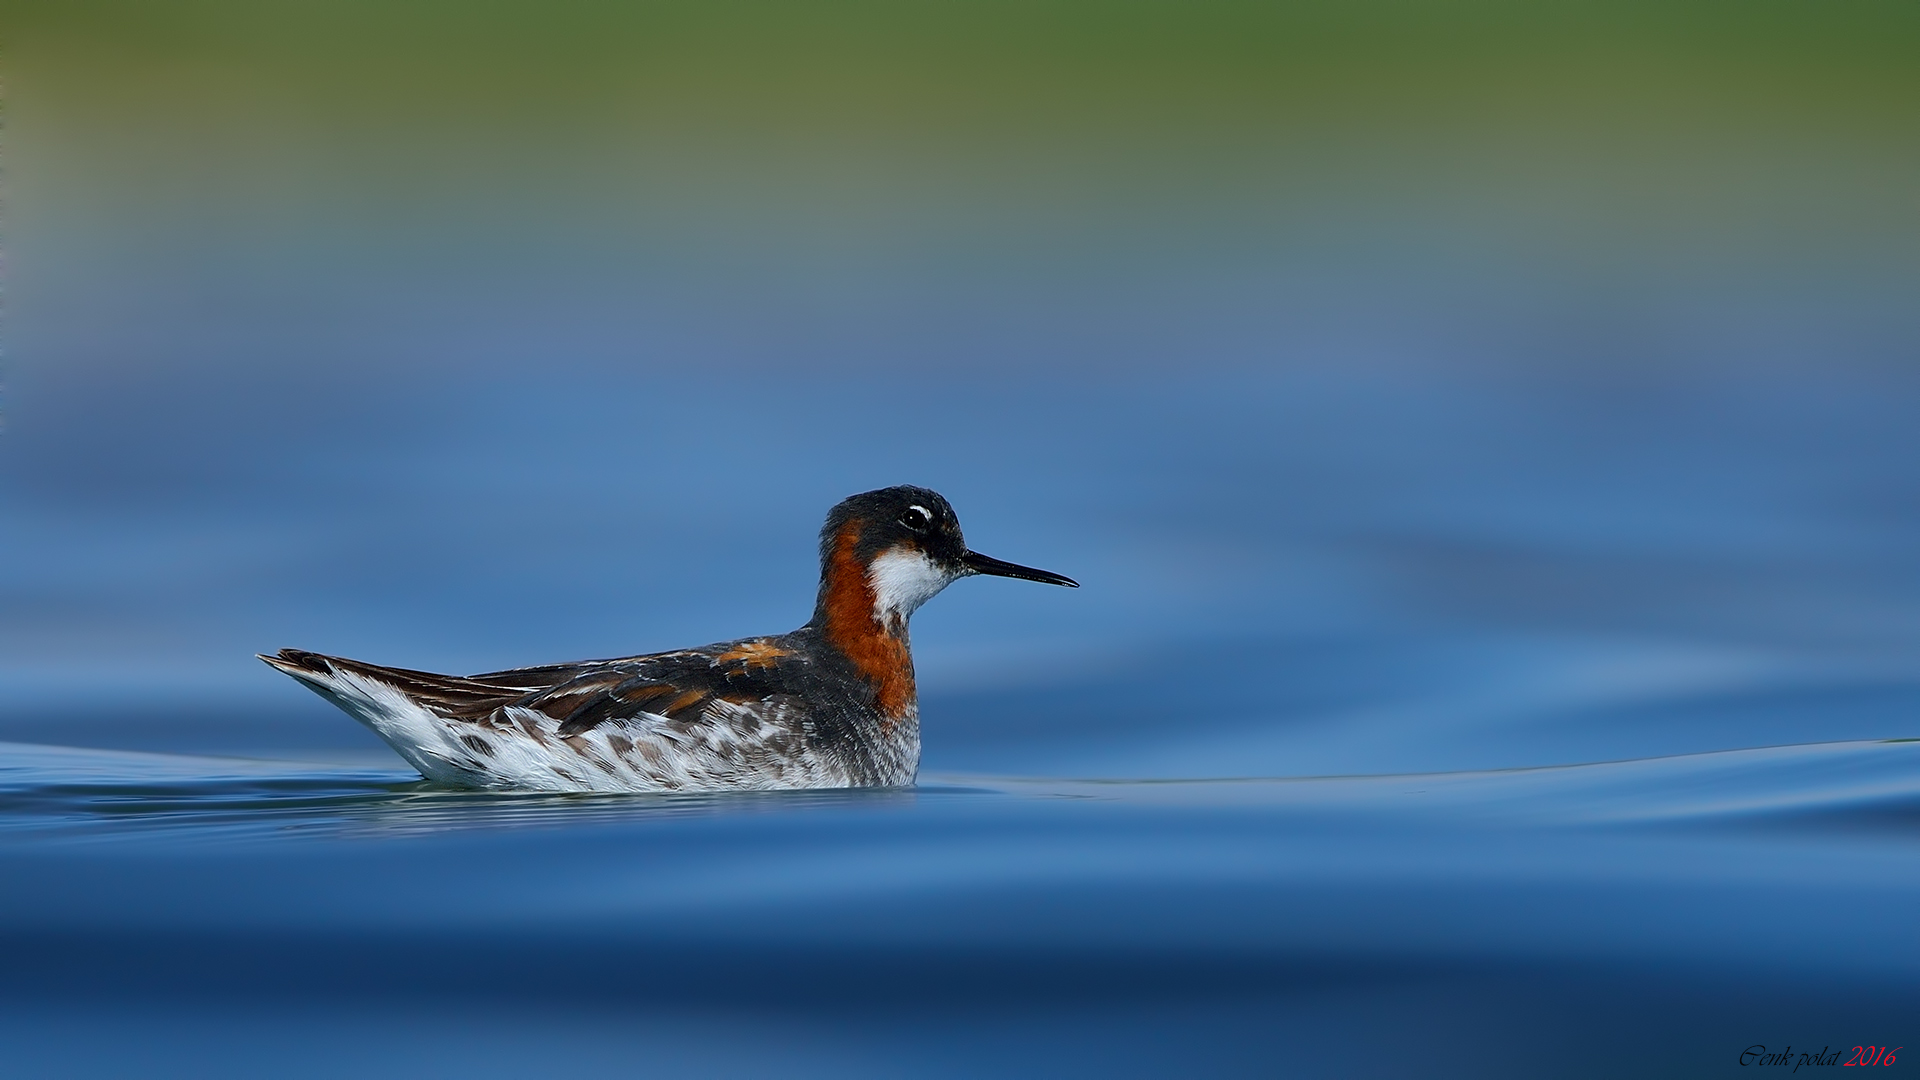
1841	785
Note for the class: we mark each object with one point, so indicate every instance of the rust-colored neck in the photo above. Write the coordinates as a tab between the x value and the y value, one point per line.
847	619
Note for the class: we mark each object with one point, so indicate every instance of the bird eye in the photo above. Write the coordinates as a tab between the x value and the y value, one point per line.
916	518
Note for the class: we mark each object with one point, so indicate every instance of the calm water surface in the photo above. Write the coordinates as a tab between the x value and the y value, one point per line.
244	916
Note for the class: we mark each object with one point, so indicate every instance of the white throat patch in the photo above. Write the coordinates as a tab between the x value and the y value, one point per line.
903	579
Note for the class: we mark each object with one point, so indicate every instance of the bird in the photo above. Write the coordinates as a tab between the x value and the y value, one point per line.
830	705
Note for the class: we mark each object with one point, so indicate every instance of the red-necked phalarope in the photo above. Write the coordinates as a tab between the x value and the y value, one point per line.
831	704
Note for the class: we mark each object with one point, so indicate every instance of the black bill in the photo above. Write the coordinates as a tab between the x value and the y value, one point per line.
985	564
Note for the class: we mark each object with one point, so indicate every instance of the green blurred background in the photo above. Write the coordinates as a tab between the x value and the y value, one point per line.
802	157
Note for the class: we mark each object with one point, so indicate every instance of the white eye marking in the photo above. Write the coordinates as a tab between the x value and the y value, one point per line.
925	519
903	579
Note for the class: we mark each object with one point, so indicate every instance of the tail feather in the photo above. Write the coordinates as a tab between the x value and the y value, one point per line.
298	662
410	710
452	696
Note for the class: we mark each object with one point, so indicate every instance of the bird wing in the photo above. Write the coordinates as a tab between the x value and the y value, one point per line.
746	675
580	696
451	696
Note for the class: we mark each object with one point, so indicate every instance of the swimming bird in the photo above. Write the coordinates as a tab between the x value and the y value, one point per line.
830	705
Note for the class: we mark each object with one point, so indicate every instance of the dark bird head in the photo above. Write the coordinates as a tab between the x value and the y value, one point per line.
900	546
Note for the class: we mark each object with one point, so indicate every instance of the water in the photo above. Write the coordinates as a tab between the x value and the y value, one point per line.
239	916
1425	728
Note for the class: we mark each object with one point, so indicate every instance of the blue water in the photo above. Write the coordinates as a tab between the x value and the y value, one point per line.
182	915
1522	685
